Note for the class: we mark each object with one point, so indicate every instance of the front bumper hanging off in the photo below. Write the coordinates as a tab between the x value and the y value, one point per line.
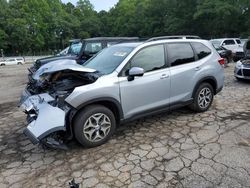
43	118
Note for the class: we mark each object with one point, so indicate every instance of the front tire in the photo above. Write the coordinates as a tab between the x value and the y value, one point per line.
203	98
94	125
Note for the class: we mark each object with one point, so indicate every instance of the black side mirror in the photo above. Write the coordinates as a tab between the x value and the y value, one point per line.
135	71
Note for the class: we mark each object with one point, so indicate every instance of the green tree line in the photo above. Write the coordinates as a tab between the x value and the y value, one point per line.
33	26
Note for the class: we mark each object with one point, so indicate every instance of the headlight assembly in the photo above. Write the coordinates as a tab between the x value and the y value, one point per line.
239	64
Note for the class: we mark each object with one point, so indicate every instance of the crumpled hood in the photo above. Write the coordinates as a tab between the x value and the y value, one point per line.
246	48
61	65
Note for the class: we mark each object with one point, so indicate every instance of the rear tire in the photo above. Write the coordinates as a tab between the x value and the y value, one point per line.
19	63
94	125
203	98
2	65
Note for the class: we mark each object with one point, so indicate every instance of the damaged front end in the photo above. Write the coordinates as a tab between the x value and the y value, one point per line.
242	67
43	118
44	103
47	118
60	76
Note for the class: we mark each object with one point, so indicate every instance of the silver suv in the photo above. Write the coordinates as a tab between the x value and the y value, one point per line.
121	83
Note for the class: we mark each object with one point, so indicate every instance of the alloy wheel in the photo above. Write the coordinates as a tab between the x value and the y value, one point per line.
97	127
205	97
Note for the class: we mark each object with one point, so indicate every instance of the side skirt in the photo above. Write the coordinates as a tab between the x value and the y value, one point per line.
157	110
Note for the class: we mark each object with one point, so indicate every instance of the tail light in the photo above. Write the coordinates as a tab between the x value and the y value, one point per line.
221	61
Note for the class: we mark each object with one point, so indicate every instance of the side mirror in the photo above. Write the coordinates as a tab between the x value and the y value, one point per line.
223	44
135	71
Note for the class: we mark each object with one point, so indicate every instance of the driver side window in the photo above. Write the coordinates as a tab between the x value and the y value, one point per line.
93	47
150	58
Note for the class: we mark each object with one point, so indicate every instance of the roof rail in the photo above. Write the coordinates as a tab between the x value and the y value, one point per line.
173	37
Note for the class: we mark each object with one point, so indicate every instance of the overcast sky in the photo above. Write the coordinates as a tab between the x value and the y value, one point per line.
98	4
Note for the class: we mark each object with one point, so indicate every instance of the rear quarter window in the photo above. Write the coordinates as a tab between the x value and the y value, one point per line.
201	50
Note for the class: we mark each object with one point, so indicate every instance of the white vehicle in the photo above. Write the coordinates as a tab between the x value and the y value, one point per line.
12	61
233	44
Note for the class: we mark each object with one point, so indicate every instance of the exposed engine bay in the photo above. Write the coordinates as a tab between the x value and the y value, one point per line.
65	80
44	102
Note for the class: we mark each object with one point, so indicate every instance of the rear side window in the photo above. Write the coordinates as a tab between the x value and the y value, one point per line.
228	42
201	50
180	53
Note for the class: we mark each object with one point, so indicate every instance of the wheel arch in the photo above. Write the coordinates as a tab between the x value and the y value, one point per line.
209	79
110	103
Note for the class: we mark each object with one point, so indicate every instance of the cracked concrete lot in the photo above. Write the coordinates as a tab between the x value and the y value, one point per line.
177	149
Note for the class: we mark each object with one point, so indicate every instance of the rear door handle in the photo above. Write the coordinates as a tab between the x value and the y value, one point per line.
197	68
164	76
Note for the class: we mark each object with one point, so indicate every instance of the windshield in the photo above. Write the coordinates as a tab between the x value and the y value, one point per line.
219	47
216	43
108	59
75	48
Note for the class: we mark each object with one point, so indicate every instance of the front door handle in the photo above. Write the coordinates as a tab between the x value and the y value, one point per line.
197	68
164	76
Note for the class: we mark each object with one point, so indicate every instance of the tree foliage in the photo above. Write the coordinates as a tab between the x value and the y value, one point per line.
31	26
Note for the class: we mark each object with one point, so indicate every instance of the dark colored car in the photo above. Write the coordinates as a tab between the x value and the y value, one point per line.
225	53
242	67
233	44
89	47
